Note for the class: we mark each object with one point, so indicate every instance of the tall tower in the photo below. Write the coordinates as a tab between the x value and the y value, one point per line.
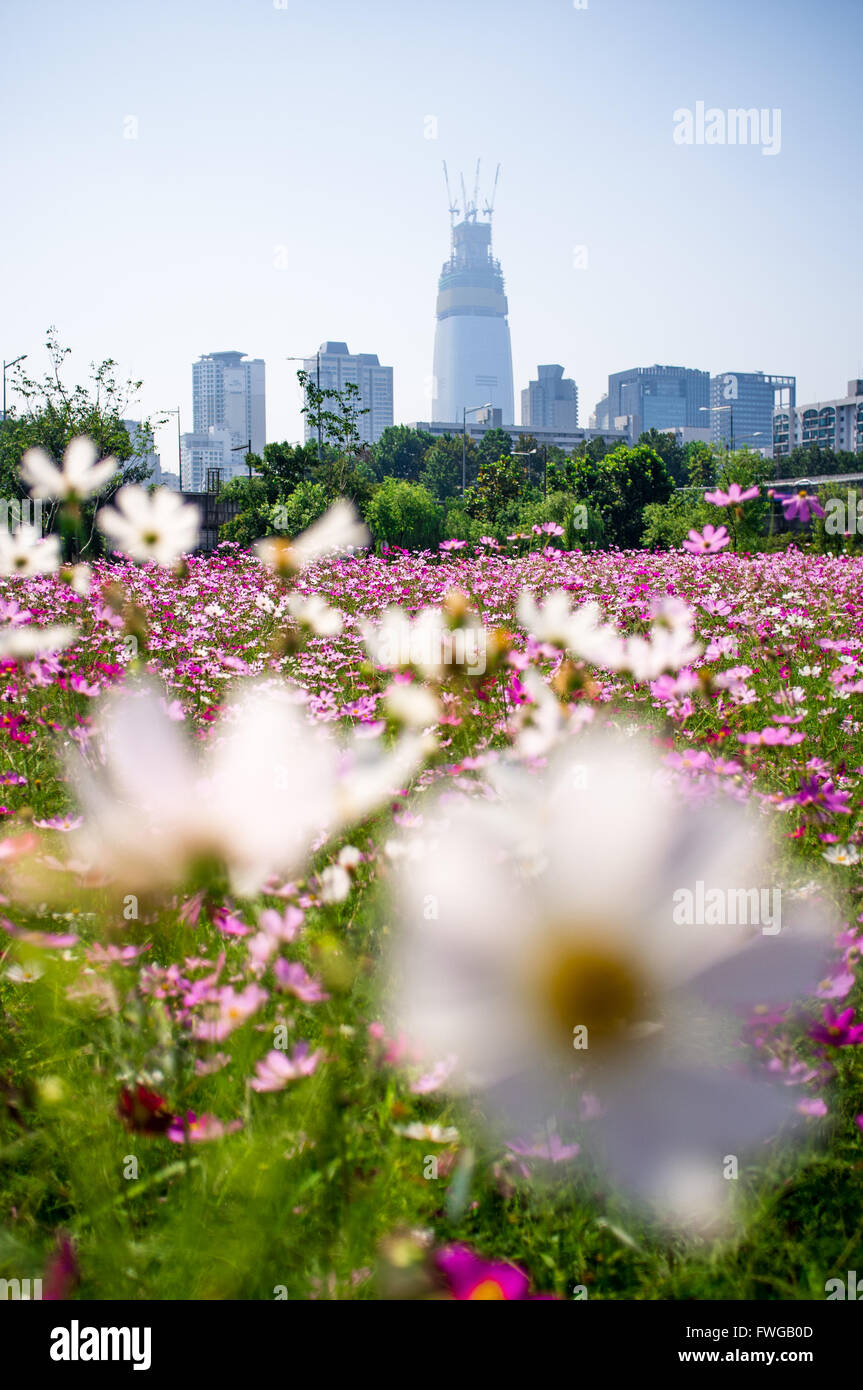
472	353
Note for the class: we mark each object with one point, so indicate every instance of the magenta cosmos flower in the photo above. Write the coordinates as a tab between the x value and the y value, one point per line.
733	496
713	538
838	1030
799	506
469	1276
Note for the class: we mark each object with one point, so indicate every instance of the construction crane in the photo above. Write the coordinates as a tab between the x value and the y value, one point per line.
489	206
453	207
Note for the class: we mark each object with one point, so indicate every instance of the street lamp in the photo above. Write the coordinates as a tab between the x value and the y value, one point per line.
176	411
525	454
729	408
236	449
6	366
318	360
468	410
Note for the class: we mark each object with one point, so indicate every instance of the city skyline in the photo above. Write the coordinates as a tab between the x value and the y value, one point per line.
237	221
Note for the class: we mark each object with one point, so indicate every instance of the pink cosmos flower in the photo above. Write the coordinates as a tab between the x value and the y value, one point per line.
837	1030
201	1128
799	506
234	1009
452	545
295	980
708	542
275	1070
469	1276
733	496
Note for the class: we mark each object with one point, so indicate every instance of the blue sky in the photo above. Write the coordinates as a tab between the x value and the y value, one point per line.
281	189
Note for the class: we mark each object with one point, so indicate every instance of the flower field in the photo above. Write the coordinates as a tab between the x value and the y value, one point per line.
354	945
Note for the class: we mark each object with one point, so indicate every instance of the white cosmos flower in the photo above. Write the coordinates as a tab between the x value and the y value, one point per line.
338	529
554	911
413	705
265	787
80	475
21	642
27	552
156	526
313	612
580	632
842	854
426	642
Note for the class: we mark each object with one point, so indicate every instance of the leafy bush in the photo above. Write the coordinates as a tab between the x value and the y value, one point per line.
404	514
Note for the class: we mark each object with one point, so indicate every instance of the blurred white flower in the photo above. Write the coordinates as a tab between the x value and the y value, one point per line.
156	526
580	632
335	884
313	612
27	552
23	974
20	643
538	939
426	642
413	705
80	475
338	529
842	854
265	788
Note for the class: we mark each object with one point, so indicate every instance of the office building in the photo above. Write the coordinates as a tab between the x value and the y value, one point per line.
656	397
742	406
228	392
550	402
363	369
836	424
206	459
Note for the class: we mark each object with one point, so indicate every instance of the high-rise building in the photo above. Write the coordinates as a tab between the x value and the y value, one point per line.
661	398
550	402
836	424
206	458
472	352
143	448
337	368
742	406
228	392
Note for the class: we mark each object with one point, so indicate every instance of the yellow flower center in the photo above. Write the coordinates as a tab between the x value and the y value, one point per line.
590	985
488	1289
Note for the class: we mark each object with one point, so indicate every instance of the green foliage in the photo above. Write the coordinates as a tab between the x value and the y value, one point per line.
500	483
442	469
495	444
252	522
672	454
667	524
619	486
814	462
405	514
304	505
285	465
400	452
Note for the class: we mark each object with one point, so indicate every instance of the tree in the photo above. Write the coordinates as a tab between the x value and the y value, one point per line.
442	467
494	444
400	452
499	484
619	486
672	454
405	514
54	413
285	465
336	414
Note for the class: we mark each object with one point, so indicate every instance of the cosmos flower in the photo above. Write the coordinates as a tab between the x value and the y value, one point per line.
733	497
799	506
553	948
708	542
24	641
339	529
470	1277
199	1129
838	1030
580	632
266	785
275	1070
80	475
842	854
27	552
156	526
311	611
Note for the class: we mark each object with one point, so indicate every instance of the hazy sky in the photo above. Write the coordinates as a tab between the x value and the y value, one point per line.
282	189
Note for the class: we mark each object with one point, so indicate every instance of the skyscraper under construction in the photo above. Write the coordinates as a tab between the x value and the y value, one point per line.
472	354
